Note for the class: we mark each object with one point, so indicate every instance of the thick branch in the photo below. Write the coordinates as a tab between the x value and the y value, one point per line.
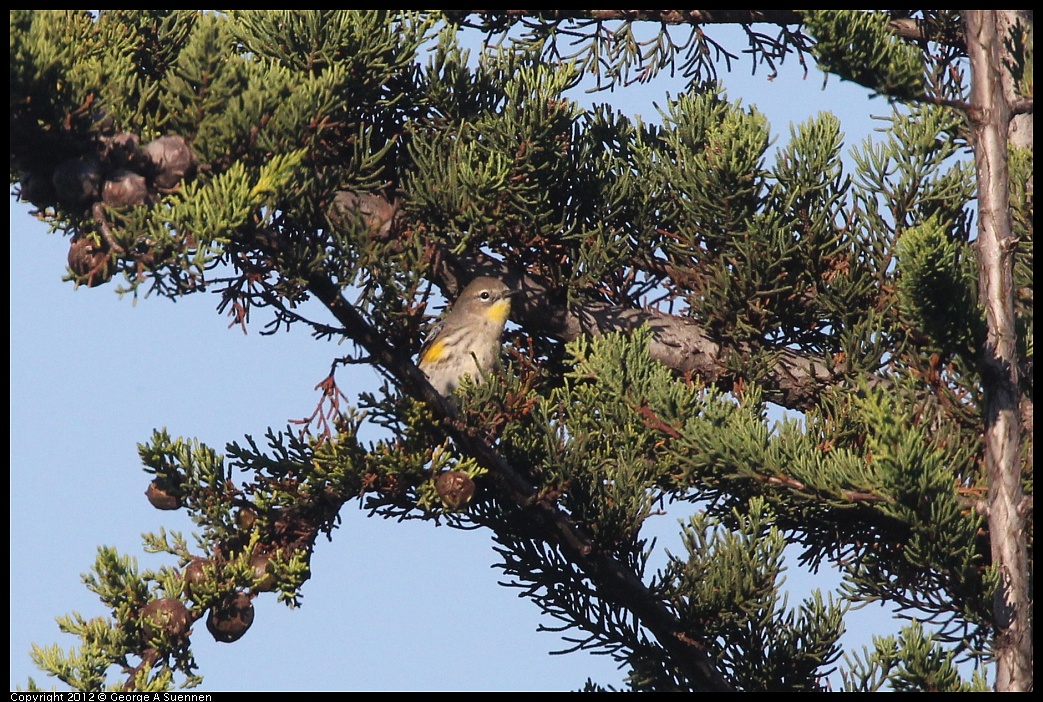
682	344
905	28
616	582
990	115
795	381
780	17
919	31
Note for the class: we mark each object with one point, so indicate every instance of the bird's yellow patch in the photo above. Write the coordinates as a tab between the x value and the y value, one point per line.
433	353
498	311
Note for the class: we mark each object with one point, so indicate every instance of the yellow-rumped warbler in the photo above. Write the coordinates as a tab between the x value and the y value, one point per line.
467	341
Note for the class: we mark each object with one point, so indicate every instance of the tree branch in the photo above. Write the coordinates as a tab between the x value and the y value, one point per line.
615	582
906	28
795	381
990	116
919	31
780	17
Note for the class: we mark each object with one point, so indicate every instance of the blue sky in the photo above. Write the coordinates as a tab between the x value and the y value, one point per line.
390	606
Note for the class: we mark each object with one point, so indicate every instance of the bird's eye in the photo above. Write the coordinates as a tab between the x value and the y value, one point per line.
484	295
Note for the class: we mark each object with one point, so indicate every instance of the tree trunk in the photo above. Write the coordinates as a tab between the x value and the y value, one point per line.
990	117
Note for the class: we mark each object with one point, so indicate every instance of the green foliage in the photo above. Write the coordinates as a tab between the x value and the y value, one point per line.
122	639
916	172
1020	165
1019	61
728	584
866	455
858	46
492	171
910	662
325	150
670	440
936	286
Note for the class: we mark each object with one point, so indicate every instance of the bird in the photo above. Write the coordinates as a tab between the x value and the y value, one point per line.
467	342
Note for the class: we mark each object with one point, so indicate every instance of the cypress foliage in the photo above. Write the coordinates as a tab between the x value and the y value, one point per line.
282	155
